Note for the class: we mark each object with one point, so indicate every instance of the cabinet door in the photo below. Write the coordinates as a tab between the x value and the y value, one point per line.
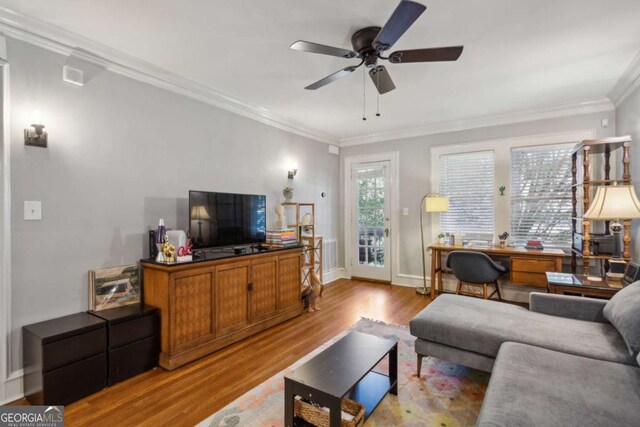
289	283
264	289
232	297
192	309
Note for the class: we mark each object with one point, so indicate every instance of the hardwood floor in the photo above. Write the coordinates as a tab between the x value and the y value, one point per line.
188	395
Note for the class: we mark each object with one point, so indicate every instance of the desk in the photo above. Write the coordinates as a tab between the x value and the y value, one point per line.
527	266
561	283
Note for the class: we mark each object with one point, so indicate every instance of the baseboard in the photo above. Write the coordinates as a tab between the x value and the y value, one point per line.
333	275
12	388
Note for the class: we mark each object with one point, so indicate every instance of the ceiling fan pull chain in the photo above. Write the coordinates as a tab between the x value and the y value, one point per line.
364	94
377	93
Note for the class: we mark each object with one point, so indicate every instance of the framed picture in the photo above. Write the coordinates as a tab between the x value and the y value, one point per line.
114	287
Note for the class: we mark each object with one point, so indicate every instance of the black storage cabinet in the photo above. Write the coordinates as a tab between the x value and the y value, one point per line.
65	359
133	340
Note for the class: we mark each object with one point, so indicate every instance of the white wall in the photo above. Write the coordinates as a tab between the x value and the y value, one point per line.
415	164
628	123
121	155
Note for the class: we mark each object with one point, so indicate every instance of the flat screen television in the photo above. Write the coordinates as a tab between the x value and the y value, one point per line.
226	219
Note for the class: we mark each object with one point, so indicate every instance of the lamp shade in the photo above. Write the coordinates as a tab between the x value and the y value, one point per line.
199	212
437	203
614	202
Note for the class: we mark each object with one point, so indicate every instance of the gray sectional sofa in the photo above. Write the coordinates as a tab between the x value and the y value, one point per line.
567	361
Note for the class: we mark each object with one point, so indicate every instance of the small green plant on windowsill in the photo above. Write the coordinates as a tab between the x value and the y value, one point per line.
501	189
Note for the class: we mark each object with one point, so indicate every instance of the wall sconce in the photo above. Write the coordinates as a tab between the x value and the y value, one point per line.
292	173
36	137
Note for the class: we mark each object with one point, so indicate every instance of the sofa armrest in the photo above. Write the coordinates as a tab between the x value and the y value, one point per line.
571	307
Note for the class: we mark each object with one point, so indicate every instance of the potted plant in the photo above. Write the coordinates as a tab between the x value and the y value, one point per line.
441	238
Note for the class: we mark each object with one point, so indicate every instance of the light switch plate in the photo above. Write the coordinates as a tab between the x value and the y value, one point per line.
405	211
32	210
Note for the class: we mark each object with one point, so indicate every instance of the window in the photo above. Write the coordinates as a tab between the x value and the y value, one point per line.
467	179
541	195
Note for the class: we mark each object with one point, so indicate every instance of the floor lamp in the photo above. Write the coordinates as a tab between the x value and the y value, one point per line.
433	202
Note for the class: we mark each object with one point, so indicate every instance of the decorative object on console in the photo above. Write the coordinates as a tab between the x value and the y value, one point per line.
114	287
433	202
288	194
502	239
160	232
36	137
281	219
615	203
184	252
177	238
169	250
282	238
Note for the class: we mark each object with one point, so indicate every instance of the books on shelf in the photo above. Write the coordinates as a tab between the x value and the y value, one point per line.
282	238
534	244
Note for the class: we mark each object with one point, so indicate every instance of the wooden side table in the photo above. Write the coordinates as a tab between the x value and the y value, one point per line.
564	283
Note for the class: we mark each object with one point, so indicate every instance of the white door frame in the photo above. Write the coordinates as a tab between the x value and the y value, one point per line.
6	392
394	230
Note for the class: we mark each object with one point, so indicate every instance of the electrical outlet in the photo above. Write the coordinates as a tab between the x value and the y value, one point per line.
32	210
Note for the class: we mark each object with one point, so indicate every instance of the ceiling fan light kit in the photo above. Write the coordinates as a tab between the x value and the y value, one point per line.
369	43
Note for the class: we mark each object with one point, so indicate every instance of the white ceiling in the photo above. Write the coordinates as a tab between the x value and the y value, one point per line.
519	55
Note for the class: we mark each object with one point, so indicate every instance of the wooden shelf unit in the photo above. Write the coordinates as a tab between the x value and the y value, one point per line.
582	171
312	243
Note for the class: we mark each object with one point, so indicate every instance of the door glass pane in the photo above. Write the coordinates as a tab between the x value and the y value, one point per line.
371	218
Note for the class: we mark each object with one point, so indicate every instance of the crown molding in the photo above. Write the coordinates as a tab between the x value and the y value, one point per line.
34	31
564	110
627	83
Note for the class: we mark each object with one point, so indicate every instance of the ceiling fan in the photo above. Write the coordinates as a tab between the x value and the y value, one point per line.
371	42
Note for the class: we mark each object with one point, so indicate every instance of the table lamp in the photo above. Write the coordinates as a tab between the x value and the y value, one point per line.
615	203
433	202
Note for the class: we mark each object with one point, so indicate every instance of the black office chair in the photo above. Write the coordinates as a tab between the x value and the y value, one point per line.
475	269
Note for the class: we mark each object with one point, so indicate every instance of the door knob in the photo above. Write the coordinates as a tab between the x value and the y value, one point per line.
386	232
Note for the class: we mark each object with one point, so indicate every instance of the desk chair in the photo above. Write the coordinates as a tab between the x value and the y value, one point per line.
475	269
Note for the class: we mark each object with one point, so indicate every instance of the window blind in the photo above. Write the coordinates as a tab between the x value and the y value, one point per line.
541	195
467	179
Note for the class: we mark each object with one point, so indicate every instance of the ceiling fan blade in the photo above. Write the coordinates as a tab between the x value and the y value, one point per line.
426	55
330	78
402	18
381	79
322	49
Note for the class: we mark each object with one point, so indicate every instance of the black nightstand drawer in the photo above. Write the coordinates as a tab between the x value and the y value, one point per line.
133	359
133	330
73	382
72	349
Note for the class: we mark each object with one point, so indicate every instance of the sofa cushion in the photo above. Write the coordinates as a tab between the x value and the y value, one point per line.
481	326
623	311
532	386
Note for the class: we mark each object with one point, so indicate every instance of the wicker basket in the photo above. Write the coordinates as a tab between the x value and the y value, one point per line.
316	416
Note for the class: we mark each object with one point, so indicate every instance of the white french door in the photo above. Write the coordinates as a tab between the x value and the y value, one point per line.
370	221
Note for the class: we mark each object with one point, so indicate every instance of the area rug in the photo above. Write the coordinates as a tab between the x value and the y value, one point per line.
446	395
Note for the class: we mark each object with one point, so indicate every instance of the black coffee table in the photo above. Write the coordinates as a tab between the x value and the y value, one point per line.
344	370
